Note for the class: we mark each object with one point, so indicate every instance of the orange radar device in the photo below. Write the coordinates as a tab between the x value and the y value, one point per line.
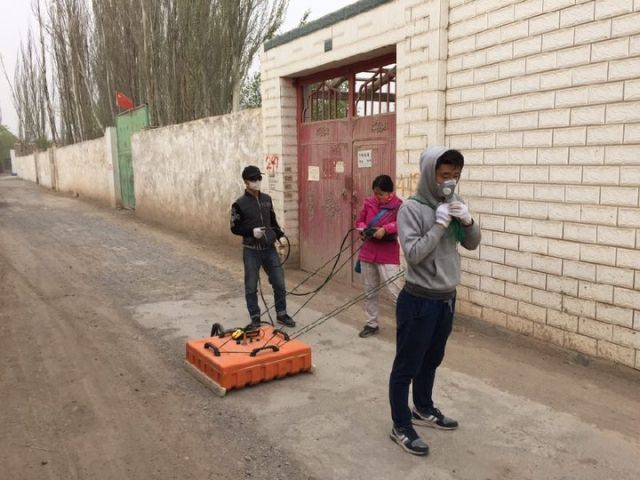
239	357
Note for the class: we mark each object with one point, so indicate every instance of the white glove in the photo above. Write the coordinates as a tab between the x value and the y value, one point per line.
461	211
258	232
442	215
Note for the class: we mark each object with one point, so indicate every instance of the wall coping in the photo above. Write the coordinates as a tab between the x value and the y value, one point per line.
323	22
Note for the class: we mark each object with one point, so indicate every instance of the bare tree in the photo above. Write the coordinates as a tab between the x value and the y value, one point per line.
43	74
187	59
27	94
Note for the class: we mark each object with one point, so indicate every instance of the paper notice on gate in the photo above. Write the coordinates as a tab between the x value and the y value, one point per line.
339	166
364	159
313	173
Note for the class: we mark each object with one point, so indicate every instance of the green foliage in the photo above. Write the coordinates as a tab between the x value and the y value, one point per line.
7	141
250	96
42	143
327	100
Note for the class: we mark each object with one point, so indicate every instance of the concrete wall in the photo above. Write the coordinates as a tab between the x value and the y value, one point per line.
86	169
544	100
45	168
188	175
13	162
26	167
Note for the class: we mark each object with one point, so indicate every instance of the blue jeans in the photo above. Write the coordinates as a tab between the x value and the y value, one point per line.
423	327
269	260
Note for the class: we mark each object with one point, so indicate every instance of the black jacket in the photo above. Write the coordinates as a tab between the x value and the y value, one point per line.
249	212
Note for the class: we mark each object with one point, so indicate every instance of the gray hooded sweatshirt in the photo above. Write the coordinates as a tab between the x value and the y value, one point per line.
433	261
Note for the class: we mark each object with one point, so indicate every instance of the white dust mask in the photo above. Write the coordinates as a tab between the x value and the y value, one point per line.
254	185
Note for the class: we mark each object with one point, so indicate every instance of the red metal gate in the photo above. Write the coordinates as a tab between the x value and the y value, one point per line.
346	137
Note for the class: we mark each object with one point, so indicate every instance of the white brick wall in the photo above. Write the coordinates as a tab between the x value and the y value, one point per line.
548	94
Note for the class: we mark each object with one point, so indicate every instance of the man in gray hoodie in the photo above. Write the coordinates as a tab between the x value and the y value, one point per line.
430	226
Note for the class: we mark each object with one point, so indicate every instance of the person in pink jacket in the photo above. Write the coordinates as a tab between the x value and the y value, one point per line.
379	257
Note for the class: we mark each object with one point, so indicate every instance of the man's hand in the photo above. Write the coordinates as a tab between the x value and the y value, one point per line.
258	232
443	217
461	211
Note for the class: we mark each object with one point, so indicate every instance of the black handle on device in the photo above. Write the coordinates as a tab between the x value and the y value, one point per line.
255	351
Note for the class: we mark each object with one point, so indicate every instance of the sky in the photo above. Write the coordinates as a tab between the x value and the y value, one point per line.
16	17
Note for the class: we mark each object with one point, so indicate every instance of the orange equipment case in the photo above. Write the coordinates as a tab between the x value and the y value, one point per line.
223	363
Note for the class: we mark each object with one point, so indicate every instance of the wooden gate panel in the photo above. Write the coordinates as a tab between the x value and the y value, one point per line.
346	137
324	179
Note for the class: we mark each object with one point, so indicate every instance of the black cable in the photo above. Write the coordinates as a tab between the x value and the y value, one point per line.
286	257
337	310
329	276
331	272
267	307
327	280
264	301
323	318
313	292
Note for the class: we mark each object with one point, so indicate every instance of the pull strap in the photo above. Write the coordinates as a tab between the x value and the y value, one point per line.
378	216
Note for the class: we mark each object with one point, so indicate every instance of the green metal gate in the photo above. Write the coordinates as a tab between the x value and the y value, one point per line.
127	124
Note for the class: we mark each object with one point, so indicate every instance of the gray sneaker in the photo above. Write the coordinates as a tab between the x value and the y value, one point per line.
409	441
433	418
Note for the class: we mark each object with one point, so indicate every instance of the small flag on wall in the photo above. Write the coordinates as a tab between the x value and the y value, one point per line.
123	101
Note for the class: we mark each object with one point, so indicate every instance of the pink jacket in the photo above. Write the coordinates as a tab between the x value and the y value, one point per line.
380	251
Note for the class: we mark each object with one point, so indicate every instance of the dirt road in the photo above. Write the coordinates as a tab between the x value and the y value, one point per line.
95	307
86	393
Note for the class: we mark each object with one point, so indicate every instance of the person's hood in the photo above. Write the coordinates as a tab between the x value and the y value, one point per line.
392	204
427	186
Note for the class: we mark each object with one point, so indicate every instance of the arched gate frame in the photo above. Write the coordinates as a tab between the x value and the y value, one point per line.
346	137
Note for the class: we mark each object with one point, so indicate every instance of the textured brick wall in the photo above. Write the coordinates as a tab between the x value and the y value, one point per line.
543	97
422	82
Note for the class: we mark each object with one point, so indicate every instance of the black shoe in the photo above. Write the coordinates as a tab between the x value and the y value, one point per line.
409	441
367	331
254	325
286	320
433	418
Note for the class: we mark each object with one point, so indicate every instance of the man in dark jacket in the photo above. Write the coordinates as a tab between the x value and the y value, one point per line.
253	218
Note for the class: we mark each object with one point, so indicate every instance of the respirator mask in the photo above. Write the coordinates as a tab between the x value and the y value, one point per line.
446	189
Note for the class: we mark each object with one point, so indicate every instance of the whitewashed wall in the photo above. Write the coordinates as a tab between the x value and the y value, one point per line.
188	175
26	167
44	168
87	170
